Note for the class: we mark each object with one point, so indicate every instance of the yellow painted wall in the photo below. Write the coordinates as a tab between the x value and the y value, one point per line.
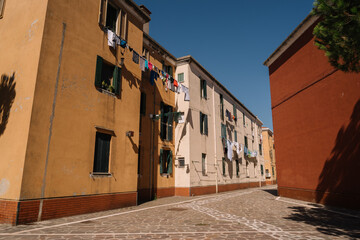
268	146
79	107
161	95
21	31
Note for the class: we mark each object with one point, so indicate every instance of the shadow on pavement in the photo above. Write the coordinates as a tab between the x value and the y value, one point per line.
326	222
271	191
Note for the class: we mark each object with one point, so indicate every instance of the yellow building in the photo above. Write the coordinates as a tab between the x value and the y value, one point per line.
269	155
70	107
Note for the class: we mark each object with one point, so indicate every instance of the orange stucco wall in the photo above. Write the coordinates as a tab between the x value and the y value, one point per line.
67	156
315	117
21	31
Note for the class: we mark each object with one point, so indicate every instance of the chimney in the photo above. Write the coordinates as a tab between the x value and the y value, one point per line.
147	12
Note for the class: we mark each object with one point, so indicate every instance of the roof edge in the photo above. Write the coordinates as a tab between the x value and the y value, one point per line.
147	36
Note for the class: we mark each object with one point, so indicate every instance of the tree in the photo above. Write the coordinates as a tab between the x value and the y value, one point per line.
338	32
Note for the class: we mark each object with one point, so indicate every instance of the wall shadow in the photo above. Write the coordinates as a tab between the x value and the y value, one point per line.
339	180
7	96
326	222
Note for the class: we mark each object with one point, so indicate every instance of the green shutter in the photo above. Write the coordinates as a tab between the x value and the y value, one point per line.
223	166
117	80
205	89
223	131
181	77
235	136
99	62
246	142
221	107
234	111
206	124
170	71
161	160
170	124
201	123
169	163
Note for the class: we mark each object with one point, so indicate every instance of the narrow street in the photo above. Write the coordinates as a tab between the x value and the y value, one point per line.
244	214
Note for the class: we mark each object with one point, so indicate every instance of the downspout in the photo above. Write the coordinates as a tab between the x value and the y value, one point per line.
215	146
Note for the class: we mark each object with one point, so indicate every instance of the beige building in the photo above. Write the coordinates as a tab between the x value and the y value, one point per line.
269	155
212	117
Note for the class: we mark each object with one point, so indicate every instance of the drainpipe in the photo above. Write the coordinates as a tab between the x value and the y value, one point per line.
214	125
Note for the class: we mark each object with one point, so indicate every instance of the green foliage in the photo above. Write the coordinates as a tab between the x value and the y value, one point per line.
338	32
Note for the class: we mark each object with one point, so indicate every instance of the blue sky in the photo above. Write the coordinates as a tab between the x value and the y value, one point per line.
230	38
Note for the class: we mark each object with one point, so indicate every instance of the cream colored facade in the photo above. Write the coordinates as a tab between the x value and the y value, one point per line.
190	144
269	155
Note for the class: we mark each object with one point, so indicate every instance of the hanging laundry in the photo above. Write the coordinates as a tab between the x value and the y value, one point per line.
172	86
142	64
111	36
178	89
224	143
176	83
150	65
135	57
186	91
131	49
153	76
229	147
123	43
146	64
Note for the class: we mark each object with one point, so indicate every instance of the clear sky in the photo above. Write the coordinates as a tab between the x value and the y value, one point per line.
230	38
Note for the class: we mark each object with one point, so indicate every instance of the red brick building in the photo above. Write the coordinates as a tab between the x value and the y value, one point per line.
316	118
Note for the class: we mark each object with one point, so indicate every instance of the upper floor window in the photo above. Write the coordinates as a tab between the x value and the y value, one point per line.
260	149
181	77
246	141
235	113
168	69
2	7
244	122
166	127
221	107
203	91
203	124
165	161
113	18
107	76
102	153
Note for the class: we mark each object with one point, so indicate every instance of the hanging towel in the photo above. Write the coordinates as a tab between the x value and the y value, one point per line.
150	65
229	147
178	89
153	77
186	91
135	57
111	38
146	64
142	64
176	83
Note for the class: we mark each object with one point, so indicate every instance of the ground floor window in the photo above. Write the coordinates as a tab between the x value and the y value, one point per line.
203	161
237	168
223	166
165	161
102	153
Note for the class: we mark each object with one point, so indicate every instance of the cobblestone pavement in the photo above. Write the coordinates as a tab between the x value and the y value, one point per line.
244	214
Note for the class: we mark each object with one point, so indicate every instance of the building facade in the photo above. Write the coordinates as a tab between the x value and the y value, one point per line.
269	155
212	118
72	94
316	120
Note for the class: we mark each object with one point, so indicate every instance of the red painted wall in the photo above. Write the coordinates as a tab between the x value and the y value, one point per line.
316	119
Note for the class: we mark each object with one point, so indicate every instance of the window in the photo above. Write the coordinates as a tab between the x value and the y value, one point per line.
260	149
246	141
244	122
262	169
203	92
113	18
2	7
234	112
203	163
166	127
273	171
165	161
143	104
235	136
237	168
203	124
223	131
107	76
222	107
168	69
102	153
181	77
223	166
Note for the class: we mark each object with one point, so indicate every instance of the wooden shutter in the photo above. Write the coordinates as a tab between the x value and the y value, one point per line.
237	167
235	136
205	89
170	124
170	71
223	166
246	141
169	163
223	131
201	123
101	12
117	80
161	160
162	122
221	107
99	63
206	124
234	111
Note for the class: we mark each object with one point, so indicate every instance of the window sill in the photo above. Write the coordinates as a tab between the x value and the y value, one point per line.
100	175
